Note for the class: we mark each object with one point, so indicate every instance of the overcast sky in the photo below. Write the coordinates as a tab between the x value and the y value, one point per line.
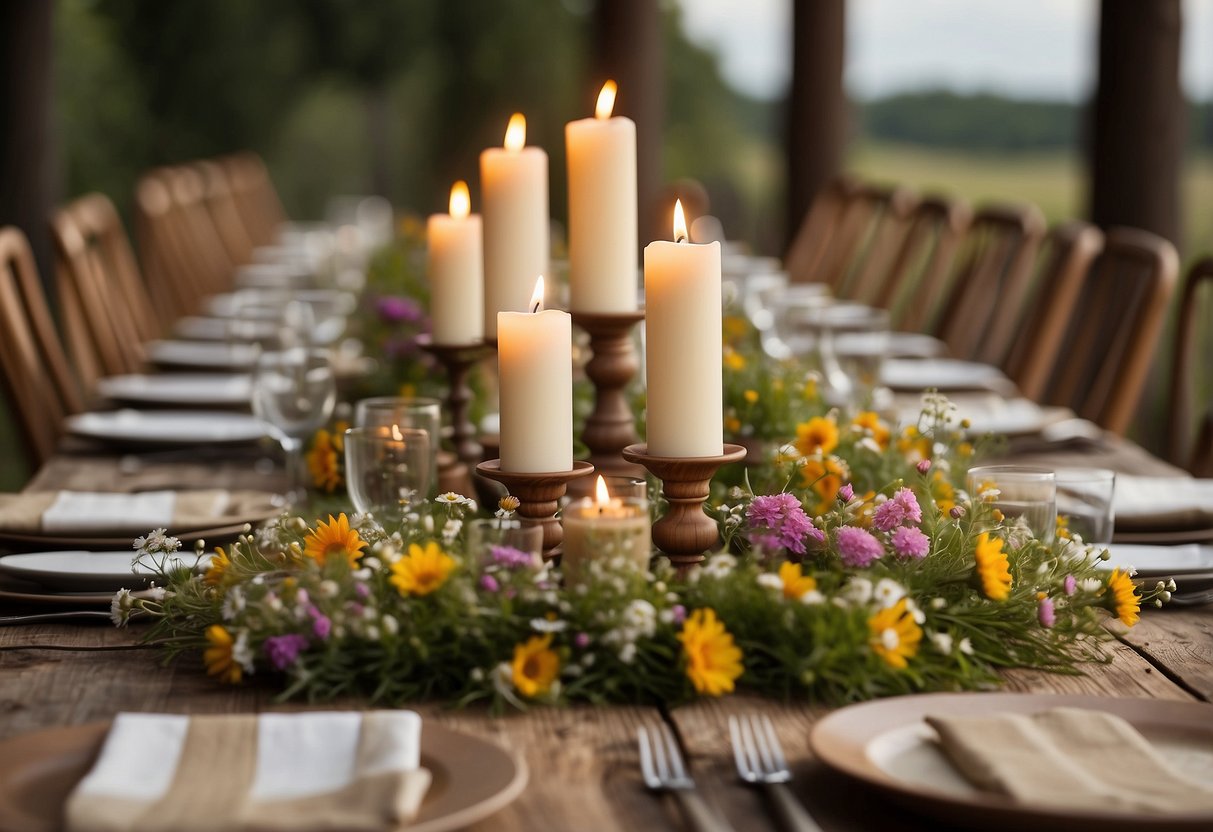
1037	48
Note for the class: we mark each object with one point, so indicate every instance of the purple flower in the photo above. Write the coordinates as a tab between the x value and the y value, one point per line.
302	598
778	522
909	542
846	493
283	651
923	466
1071	585
581	641
857	547
322	626
1044	611
902	508
393	309
510	558
957	512
361	589
679	612
489	584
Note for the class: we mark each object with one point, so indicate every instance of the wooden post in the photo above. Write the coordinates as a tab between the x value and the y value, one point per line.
1137	125
817	107
628	47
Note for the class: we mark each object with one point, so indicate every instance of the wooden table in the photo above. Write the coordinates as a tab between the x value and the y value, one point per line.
583	761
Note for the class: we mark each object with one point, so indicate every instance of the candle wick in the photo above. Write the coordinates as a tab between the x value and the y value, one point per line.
681	238
535	307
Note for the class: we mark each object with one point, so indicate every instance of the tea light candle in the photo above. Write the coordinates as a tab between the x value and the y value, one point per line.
455	270
602	209
535	364
604	528
514	197
683	344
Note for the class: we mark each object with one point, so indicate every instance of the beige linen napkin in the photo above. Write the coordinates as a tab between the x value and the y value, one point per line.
1163	502
1068	757
302	772
90	512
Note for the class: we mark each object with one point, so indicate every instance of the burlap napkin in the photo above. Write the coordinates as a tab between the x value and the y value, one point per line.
88	512
1163	502
1068	757
302	772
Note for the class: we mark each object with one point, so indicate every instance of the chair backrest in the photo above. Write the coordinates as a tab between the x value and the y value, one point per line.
35	369
1112	337
818	228
225	214
1066	256
166	261
206	247
921	265
989	282
255	196
867	211
892	211
1197	458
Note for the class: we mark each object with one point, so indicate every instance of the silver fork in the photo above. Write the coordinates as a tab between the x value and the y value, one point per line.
663	770
760	762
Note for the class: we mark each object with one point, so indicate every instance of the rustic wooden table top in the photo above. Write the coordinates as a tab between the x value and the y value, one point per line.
583	761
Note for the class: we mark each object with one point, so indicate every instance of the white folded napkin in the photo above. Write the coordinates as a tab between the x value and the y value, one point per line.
1068	757
301	772
104	513
1163	502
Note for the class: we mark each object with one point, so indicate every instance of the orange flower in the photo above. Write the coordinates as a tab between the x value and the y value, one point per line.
823	477
869	421
334	538
819	435
993	568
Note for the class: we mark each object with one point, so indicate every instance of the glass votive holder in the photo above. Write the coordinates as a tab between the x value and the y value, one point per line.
387	471
605	530
499	541
1029	494
418	413
1084	503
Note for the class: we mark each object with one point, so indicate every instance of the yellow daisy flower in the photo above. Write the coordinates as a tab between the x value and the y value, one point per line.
913	445
217	568
732	424
942	492
325	457
819	435
810	390
751	396
733	360
334	538
869	421
422	571
713	660
993	568
895	635
218	655
1126	603
795	582
824	478
535	666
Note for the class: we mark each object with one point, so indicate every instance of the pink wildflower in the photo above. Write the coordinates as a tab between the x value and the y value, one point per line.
909	542
1045	612
902	508
1071	585
778	521
857	547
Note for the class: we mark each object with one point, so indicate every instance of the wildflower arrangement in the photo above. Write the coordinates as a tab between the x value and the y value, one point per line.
889	586
325	458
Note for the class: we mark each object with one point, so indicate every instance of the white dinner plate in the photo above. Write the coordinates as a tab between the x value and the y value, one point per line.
166	427
888	745
215	389
232	304
202	354
200	328
1160	561
82	571
940	373
915	345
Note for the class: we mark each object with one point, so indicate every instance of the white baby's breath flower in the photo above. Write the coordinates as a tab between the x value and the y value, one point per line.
938	603
812	597
771	581
641	617
870	445
942	642
120	607
966	646
1090	585
627	654
477	674
242	654
915	611
390	625
719	566
233	603
545	625
857	591
888	592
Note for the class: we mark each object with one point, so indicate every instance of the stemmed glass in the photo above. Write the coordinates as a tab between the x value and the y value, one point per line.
386	469
294	393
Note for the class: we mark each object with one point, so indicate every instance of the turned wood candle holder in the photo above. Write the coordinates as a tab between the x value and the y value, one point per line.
685	532
456	360
538	495
610	427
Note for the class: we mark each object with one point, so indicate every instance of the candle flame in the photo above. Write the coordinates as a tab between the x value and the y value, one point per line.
461	201
680	223
515	133
606	100
602	497
537	296
396	434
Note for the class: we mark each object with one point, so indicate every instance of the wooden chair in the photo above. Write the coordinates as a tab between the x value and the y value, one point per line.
220	203
1068	251
892	211
163	251
1113	334
989	283
1196	456
817	230
214	267
925	258
255	196
36	374
860	230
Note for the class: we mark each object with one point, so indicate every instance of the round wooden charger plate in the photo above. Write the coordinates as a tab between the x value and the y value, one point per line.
472	778
886	744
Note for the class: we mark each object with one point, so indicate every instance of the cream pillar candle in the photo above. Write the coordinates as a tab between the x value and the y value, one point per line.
602	210
455	270
605	528
535	365
514	198
683	345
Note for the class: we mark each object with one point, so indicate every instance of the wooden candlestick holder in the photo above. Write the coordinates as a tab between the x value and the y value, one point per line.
610	427
685	532
456	360
538	495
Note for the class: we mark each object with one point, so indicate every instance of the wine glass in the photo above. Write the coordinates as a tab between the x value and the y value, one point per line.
294	393
387	470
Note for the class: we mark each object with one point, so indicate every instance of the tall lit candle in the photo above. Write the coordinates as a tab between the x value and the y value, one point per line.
455	270
683	345
602	209
535	363
514	198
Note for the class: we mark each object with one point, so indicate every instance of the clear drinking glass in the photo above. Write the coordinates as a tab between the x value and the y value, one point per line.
407	412
853	342
486	535
294	393
1084	500
797	309
387	470
1023	492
